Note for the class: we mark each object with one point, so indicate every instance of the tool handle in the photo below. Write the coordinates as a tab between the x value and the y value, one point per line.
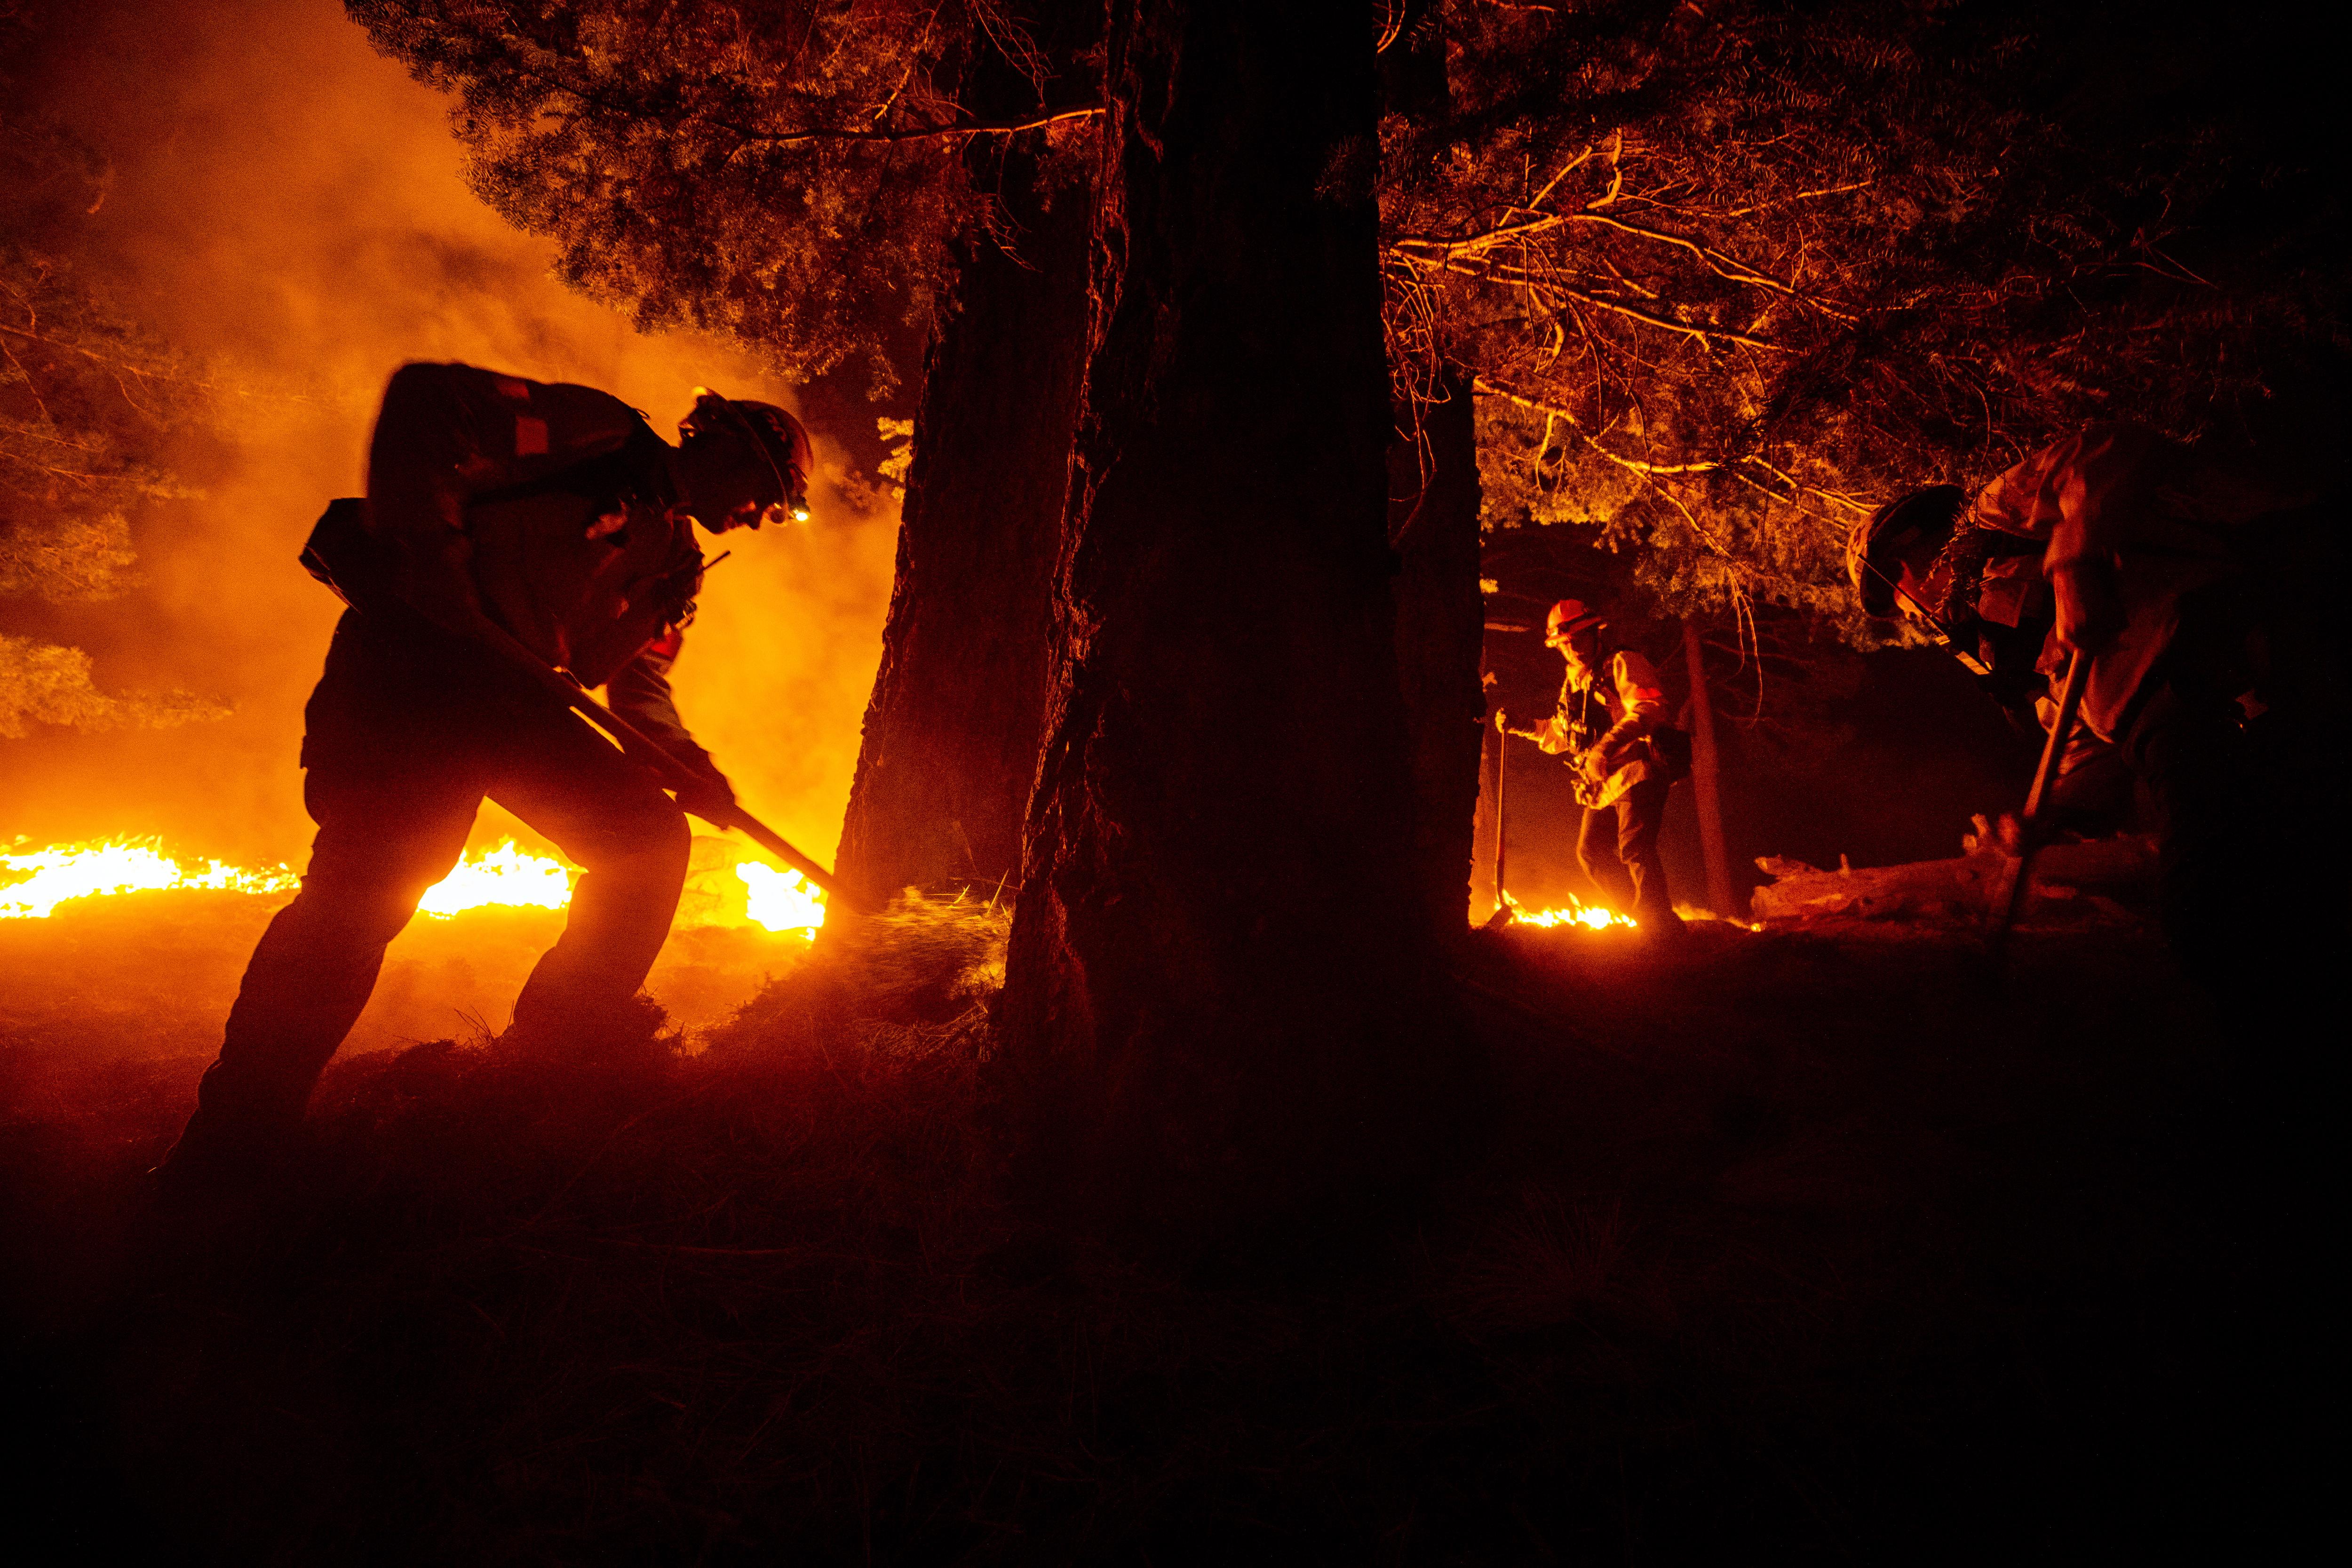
2030	834
673	772
2061	730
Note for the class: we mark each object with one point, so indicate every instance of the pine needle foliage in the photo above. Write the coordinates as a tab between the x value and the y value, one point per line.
91	402
790	174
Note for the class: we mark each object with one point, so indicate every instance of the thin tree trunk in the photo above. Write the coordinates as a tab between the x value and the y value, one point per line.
1441	632
953	728
1433	528
1706	779
1219	993
1485	845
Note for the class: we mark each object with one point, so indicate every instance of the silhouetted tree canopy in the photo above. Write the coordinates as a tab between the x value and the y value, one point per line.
791	175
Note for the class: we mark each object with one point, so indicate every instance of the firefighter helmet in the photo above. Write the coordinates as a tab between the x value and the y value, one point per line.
1911	529
1569	616
779	437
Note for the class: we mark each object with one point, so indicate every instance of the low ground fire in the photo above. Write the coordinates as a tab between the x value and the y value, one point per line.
33	883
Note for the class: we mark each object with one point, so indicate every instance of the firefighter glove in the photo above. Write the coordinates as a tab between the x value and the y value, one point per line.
706	793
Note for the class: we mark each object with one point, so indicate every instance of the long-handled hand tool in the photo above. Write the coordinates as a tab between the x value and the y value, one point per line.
1502	915
674	773
2031	832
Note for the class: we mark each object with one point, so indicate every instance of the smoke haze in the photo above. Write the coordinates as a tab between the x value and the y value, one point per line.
288	206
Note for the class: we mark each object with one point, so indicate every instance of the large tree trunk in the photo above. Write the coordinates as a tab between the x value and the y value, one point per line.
1218	999
953	728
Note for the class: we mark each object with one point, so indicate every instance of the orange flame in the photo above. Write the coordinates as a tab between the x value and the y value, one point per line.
782	901
34	883
63	871
505	876
1598	917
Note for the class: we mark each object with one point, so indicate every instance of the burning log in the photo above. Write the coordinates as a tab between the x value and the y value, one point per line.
1974	883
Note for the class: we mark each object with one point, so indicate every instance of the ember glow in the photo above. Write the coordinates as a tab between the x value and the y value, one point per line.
34	883
1577	911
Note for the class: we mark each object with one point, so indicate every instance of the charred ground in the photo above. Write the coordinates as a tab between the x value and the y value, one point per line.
1815	1241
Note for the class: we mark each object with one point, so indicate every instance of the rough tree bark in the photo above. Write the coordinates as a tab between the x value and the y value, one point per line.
1440	632
953	728
1218	1007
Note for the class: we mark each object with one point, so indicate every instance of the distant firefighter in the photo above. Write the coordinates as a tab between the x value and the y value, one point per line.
499	511
1611	722
2211	681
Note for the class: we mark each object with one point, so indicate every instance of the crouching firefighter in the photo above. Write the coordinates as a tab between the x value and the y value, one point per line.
2189	577
1610	724
1980	592
506	521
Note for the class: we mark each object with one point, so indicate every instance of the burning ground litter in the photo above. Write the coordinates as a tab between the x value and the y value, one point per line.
1804	1235
144	947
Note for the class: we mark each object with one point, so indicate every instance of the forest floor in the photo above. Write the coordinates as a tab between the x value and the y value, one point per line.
1821	1242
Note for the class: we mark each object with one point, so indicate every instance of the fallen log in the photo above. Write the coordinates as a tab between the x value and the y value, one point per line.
1970	884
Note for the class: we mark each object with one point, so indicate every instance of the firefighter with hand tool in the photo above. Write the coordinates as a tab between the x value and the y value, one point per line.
1610	723
1980	592
2168	572
512	530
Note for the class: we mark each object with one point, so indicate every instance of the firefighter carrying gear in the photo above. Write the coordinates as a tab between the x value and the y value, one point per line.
1606	722
1610	722
550	513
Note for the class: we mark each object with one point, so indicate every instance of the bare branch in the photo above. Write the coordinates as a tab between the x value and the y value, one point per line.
918	134
1521	277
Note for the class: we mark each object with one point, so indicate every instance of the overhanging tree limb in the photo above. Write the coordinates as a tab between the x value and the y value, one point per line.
918	134
1519	277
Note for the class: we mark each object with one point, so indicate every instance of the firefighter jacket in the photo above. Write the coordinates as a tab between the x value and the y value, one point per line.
2151	521
551	506
1607	714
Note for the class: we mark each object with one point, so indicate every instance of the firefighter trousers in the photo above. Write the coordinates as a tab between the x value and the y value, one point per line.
1617	847
405	735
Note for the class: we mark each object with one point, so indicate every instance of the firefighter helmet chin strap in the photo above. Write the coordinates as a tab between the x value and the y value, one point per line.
707	401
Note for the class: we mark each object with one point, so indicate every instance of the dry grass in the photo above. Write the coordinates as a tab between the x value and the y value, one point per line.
1811	1241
